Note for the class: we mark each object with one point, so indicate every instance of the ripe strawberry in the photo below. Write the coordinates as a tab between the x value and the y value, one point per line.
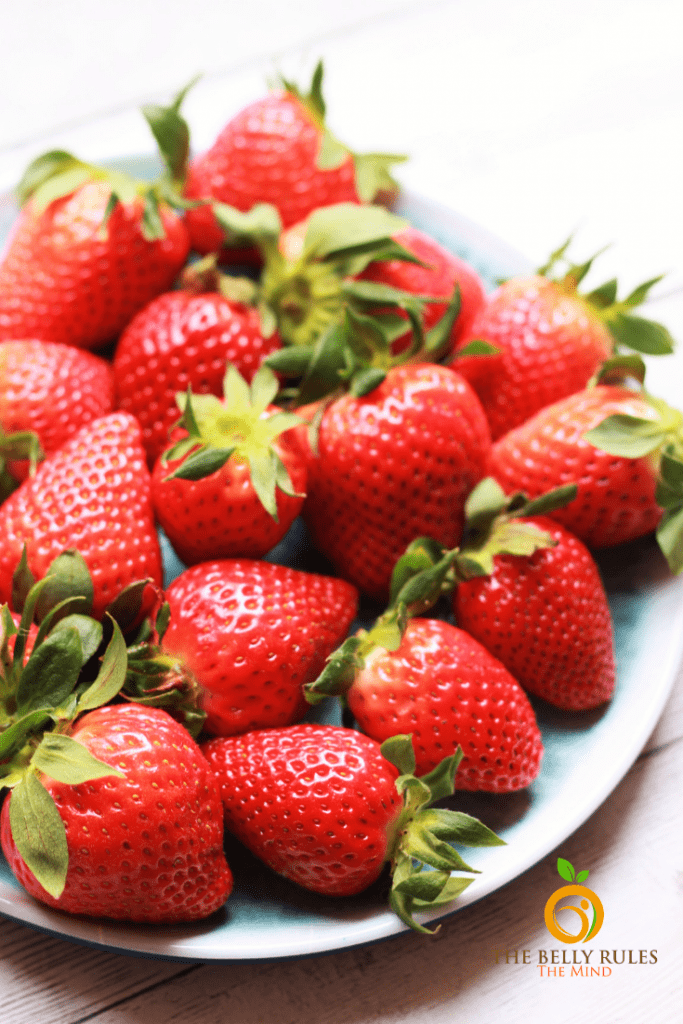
550	341
320	805
182	340
616	498
92	494
442	272
285	790
51	389
546	618
394	465
231	484
145	841
278	150
253	633
442	686
66	278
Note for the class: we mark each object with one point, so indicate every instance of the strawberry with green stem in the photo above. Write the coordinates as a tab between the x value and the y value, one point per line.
339	330
231	484
97	821
328	808
426	676
623	446
90	248
280	151
546	340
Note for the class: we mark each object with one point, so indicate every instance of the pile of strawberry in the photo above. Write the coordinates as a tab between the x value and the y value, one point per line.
454	456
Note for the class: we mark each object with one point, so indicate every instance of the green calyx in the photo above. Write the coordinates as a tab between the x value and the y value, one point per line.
236	427
427	571
423	834
372	170
57	174
158	679
628	332
41	695
341	330
659	438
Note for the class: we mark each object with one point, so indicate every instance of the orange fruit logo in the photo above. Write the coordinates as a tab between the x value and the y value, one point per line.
590	912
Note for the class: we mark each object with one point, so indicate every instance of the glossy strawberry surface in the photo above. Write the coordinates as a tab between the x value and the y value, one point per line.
221	515
266	154
394	465
616	495
145	847
445	689
92	494
51	389
253	633
64	278
439	275
182	340
315	802
547	619
550	343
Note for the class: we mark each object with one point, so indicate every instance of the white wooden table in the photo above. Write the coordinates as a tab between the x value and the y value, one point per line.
535	120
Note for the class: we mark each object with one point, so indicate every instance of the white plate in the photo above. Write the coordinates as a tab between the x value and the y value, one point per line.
585	755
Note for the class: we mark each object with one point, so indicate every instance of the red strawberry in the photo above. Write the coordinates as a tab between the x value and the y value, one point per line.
550	341
442	272
546	618
616	494
285	790
549	345
253	633
182	340
51	389
67	278
92	494
446	689
232	484
320	805
279	151
147	846
394	465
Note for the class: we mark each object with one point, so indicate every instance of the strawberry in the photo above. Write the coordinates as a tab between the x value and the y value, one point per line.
616	499
92	494
231	484
180	340
278	150
394	465
323	806
548	341
92	246
144	837
52	390
447	690
546	618
442	270
253	633
66	278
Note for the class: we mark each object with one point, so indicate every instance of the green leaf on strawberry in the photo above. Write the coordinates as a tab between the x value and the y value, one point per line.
235	427
39	833
424	835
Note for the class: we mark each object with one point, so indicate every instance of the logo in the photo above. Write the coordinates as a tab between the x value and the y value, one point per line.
589	912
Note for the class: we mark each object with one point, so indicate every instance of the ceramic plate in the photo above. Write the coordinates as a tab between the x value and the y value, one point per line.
585	755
